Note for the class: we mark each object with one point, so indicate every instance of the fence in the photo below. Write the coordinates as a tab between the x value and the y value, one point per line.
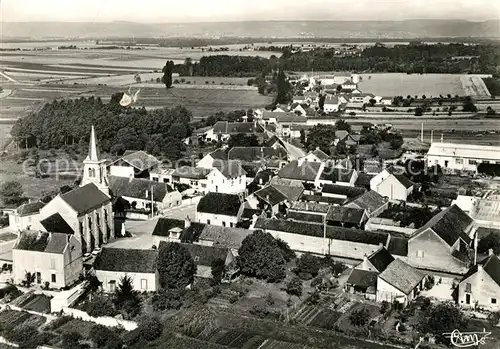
107	321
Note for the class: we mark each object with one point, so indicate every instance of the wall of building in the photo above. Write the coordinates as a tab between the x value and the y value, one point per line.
121	171
387	292
19	223
371	226
137	280
452	162
203	271
392	188
216	219
217	183
482	289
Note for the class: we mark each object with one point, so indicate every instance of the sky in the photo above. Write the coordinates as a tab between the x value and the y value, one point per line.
163	11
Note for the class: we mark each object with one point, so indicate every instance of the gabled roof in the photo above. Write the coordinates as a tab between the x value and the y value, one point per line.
219	203
38	241
381	259
336	174
309	207
30	208
229	169
191	172
224	236
372	166
218	154
164	226
322	199
451	224
341	134
304	217
251	154
139	159
362	278
398	246
205	255
292	189
224	127
320	154
405	181
345	214
86	198
307	171
491	265
342	190
291	117
402	276
363	179
126	260
270	195
137	188
56	224
370	201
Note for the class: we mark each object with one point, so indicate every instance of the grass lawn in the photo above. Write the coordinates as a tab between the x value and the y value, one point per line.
76	325
344	323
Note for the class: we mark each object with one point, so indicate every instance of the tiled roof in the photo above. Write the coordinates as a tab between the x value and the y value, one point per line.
224	236
304	217
265	175
251	154
218	154
219	203
292	189
191	172
56	224
322	199
363	179
224	127
205	255
450	224
342	190
402	276
320	154
307	171
30	208
381	259
491	265
248	213
370	201
309	207
291	117
345	214
336	175
229	169
126	260
41	242
404	181
372	166
362	278
137	188
139	159
312	229
86	198
165	225
341	134
398	246
270	195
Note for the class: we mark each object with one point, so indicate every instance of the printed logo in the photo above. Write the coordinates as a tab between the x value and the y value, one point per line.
467	339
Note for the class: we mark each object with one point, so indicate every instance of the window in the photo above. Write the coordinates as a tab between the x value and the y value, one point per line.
459	161
155	179
53	278
112	286
208	221
468	287
52	263
166	180
144	284
231	225
472	162
420	254
223	224
493	301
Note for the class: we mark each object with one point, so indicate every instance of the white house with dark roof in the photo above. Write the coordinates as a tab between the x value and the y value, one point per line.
317	155
392	185
53	258
371	201
137	164
208	160
219	209
113	264
304	171
227	177
195	177
332	104
462	156
222	130
203	256
480	287
26	216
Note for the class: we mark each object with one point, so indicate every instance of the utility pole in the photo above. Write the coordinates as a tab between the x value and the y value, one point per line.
324	235
422	133
152	203
432	135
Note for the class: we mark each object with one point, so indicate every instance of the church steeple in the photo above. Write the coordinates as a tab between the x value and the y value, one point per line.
94	168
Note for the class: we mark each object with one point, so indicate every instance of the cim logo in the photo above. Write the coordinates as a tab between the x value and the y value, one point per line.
467	339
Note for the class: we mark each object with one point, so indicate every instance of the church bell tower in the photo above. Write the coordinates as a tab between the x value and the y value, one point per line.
94	168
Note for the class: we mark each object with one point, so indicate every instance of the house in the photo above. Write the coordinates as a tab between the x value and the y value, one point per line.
54	259
341	191
363	277
299	109
444	244
222	130
484	210
462	156
88	213
203	256
287	119
392	185
363	180
309	207
317	155
231	238
227	177
113	264
332	104
399	282
195	177
371	201
372	167
480	287
346	217
161	174
26	216
137	164
303	171
268	199
219	209
299	99
208	160
292	189
176	230
140	193
257	154
338	176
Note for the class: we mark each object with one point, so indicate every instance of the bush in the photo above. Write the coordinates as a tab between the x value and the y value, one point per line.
316	282
294	287
308	263
426	303
385	307
259	311
100	306
396	306
168	299
59	321
313	298
71	340
150	328
99	335
359	317
429	282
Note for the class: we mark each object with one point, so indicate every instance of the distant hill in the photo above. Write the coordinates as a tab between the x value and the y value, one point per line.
269	29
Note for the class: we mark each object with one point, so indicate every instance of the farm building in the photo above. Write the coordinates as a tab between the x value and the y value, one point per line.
462	156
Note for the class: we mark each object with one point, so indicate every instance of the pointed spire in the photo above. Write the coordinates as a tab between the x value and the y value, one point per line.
93	151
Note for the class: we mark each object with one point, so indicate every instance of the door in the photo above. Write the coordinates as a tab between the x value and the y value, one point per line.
467	298
38	278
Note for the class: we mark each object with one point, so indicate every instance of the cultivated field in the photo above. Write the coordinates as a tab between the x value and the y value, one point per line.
432	85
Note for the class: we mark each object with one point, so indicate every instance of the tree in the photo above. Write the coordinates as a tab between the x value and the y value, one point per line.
188	66
441	319
218	267
283	88
167	74
490	241
469	106
261	257
176	267
11	192
302	136
372	102
360	317
242	140
71	340
294	287
419	111
309	264
99	335
150	327
342	125
320	136
286	251
396	142
321	101
385	307
100	306
126	298
494	318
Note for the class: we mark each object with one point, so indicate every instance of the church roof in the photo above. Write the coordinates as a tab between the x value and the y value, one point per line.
93	154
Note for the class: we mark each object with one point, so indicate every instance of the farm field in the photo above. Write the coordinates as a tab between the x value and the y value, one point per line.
395	84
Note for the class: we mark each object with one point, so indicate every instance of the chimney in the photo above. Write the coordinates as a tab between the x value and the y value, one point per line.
490	252
187	222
